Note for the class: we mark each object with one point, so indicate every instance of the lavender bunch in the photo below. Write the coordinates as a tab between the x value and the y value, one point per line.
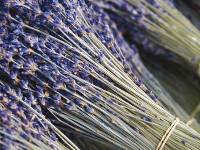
165	24
53	50
56	78
131	56
141	39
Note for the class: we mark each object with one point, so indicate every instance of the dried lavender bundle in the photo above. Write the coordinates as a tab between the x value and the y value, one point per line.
165	25
59	55
140	38
55	75
132	57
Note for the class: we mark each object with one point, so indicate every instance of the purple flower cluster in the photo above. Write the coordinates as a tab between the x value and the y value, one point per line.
20	127
70	62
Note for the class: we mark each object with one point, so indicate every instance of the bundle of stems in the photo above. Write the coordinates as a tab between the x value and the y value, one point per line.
165	25
133	58
135	19
139	68
52	50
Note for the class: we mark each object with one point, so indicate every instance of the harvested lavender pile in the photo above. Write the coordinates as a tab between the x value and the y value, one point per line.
73	76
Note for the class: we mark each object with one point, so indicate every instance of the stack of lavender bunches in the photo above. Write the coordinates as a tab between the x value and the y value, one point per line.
68	74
